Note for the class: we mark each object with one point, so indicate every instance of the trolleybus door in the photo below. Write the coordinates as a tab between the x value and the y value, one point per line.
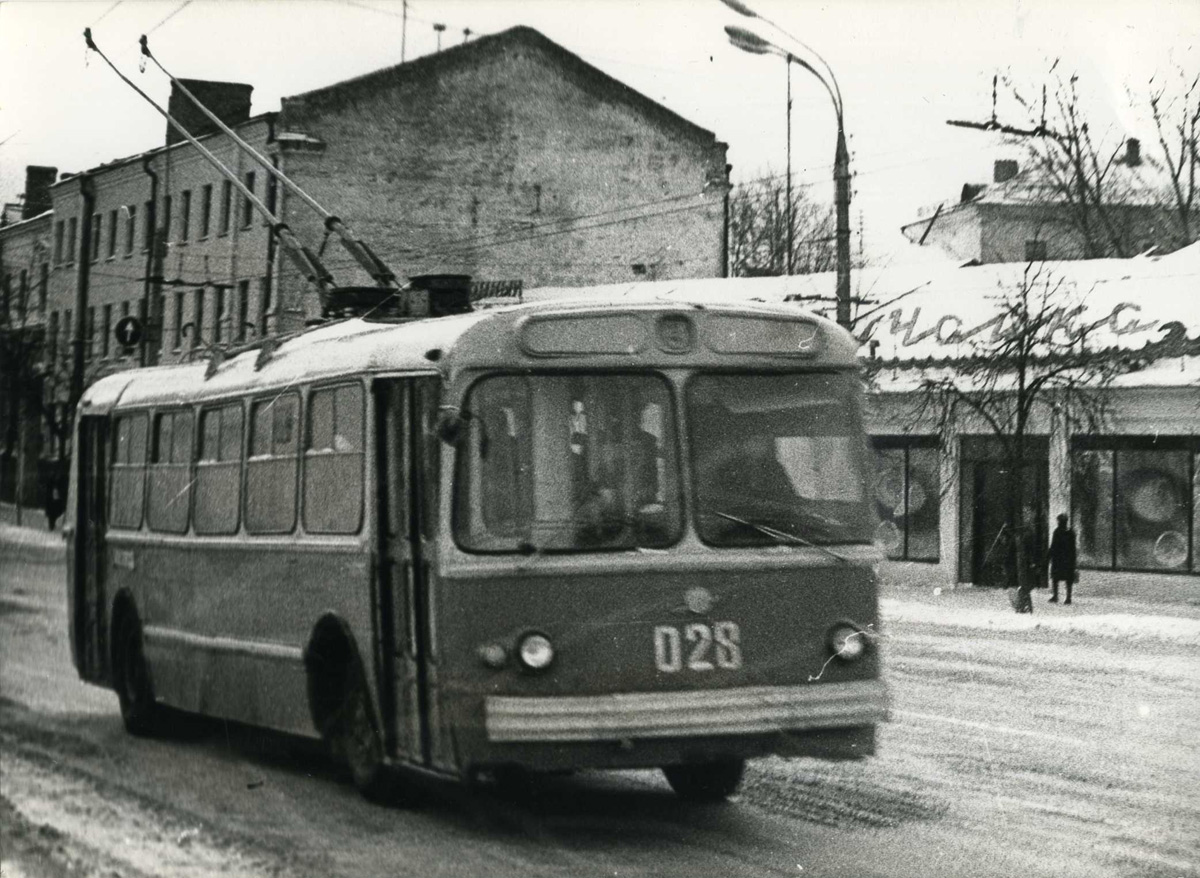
403	568
88	599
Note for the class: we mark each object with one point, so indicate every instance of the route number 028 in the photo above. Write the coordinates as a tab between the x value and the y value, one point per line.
698	647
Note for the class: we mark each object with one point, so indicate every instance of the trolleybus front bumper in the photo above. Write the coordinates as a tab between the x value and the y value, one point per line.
754	710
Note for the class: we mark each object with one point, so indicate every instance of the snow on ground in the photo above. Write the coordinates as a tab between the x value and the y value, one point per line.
1133	626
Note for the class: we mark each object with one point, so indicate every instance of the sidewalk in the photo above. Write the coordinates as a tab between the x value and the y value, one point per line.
1131	606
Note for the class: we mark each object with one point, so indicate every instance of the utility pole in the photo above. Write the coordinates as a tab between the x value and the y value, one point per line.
841	175
403	29
83	275
790	219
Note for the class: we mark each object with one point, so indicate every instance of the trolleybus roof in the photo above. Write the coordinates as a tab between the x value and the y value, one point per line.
442	344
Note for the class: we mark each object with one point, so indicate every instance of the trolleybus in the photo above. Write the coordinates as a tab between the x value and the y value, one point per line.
539	537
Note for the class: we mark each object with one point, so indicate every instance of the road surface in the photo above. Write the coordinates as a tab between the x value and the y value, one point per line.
1058	750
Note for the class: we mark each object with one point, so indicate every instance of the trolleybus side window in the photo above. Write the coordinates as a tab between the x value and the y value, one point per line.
272	468
574	463
333	461
219	470
127	486
170	472
778	457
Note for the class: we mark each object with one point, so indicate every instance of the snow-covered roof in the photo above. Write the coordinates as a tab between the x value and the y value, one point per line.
931	310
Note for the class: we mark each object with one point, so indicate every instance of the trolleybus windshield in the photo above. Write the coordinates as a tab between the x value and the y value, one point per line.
778	459
584	462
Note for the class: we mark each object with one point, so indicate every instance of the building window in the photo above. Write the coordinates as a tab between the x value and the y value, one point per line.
1035	251
130	230
22	294
272	467
247	204
218	333
264	307
68	333
170	472
148	227
226	206
333	461
219	470
112	234
185	215
59	231
97	226
89	332
72	229
243	309
907	497
106	327
166	223
52	340
161	322
43	286
1134	502
205	210
128	472
198	317
177	328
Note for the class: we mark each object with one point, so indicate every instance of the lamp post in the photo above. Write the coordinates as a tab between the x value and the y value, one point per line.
748	41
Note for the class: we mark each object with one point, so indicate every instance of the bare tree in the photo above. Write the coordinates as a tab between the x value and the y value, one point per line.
1095	182
1177	124
1037	366
758	231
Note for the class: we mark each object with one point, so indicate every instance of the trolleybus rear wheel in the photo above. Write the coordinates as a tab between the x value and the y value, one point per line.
706	781
139	711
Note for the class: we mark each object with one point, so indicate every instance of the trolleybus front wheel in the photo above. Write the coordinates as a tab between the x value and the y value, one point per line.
139	711
360	744
706	781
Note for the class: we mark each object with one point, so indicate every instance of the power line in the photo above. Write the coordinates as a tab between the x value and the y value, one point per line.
178	9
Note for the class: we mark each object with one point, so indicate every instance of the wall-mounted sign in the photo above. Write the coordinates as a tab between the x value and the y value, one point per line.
128	331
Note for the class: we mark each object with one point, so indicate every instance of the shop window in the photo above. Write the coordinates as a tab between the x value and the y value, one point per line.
127	484
170	472
907	498
1151	510
1135	502
333	461
271	469
219	470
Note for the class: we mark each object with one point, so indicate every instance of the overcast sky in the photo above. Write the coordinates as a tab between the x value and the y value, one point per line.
904	66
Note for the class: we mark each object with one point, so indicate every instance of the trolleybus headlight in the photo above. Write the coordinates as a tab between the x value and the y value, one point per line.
535	652
847	642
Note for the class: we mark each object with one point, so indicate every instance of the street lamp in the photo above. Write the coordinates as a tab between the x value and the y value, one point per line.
748	41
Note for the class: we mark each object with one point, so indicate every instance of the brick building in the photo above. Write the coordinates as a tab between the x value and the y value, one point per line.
1020	216
24	285
507	158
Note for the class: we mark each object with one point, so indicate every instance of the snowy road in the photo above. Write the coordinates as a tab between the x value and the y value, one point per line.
1067	749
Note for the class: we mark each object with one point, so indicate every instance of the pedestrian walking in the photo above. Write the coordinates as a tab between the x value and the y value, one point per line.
1062	559
55	500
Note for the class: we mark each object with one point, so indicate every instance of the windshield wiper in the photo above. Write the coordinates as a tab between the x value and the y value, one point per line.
780	535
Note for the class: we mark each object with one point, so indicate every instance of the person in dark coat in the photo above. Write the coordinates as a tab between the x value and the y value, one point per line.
1062	559
55	501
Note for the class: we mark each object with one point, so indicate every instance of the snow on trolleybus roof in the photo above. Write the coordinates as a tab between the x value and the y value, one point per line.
501	336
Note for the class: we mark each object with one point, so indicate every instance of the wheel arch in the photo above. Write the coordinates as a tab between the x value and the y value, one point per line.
331	658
